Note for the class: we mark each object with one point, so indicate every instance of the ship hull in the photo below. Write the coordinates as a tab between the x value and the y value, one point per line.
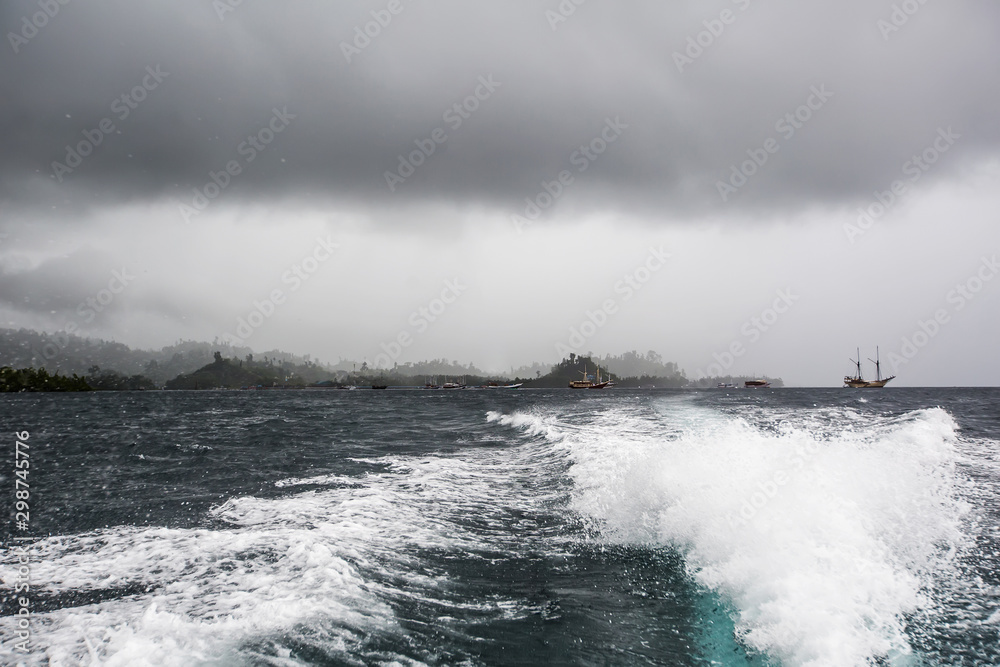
855	383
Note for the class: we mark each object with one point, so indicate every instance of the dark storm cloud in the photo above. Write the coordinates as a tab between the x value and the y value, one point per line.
211	79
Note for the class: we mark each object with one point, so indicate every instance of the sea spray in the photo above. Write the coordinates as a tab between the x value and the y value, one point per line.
831	559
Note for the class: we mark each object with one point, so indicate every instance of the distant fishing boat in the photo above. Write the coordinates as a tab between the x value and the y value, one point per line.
588	381
497	385
755	384
858	382
725	385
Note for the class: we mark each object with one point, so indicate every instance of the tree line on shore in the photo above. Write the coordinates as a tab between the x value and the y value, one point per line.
28	359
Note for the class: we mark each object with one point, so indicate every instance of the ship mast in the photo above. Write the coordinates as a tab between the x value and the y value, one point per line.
878	368
858	363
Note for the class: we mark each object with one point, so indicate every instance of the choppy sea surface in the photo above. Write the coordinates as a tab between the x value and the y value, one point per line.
495	527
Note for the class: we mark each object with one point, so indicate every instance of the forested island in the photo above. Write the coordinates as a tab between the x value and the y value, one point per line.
33	361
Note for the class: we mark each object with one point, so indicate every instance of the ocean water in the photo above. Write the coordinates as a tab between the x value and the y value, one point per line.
720	527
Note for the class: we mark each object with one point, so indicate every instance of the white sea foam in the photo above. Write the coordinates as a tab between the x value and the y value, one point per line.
210	592
822	530
321	567
530	423
318	480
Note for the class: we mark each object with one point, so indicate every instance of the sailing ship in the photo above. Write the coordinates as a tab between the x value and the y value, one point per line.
858	382
588	381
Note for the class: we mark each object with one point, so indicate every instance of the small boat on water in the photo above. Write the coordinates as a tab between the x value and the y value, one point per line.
588	381
725	385
756	384
858	382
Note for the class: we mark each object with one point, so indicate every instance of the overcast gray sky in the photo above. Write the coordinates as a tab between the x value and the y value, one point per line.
536	176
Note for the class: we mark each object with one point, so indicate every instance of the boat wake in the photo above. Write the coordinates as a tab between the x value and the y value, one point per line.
827	534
